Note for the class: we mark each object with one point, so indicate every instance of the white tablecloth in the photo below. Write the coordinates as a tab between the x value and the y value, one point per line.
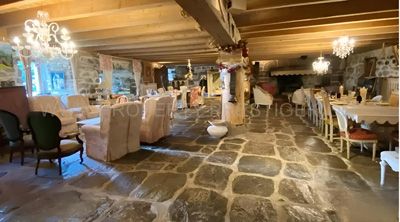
370	113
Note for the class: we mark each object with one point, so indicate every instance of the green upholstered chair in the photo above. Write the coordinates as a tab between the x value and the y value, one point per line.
14	134
45	129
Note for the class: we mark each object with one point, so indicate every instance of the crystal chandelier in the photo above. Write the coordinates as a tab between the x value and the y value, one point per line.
321	66
44	40
343	46
189	75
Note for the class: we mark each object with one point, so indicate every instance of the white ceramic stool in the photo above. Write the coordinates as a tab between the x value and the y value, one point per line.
217	131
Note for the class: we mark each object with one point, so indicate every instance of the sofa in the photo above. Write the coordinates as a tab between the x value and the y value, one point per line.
80	106
52	104
117	134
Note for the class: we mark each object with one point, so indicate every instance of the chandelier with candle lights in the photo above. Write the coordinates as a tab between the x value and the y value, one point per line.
343	46
44	40
321	66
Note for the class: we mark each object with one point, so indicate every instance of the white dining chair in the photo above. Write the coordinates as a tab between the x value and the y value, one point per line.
330	121
354	135
390	158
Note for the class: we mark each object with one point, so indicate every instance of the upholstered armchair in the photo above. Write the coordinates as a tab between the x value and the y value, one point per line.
299	97
80	106
52	104
117	134
262	97
156	119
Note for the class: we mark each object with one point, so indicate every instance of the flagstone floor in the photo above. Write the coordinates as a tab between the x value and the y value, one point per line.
274	168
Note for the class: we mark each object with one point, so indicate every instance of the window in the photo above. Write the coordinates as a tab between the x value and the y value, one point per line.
35	77
171	74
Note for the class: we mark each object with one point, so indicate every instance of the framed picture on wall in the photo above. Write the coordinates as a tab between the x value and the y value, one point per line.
57	81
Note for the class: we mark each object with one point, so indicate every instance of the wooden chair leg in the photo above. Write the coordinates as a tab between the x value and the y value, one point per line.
326	130
341	144
37	166
11	155
331	133
81	155
348	149
383	168
22	156
59	166
373	151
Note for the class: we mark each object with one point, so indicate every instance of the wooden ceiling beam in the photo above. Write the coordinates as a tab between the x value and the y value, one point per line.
326	34
171	53
293	55
167	14
330	28
213	17
76	9
352	19
309	12
256	5
328	39
153	29
25	4
167	36
156	49
152	44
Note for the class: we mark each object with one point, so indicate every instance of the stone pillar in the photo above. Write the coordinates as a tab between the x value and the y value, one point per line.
233	113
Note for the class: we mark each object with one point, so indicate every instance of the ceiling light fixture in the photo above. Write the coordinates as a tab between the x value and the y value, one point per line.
44	40
343	46
321	66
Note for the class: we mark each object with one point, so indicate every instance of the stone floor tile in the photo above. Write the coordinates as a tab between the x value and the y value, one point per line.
340	178
130	211
252	209
125	183
331	161
196	204
224	157
297	213
260	165
253	147
230	146
160	186
234	140
190	165
246	184
213	176
312	144
297	171
296	191
92	180
290	153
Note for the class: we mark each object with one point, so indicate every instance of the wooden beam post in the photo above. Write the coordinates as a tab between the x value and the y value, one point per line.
233	113
214	17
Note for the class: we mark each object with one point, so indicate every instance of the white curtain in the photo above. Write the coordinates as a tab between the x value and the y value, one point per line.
107	68
137	73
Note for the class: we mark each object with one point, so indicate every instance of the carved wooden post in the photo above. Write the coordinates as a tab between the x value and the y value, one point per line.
233	113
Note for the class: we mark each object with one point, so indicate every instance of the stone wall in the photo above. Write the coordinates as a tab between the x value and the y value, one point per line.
198	70
386	66
87	72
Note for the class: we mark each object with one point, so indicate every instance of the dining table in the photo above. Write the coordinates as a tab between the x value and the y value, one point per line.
369	113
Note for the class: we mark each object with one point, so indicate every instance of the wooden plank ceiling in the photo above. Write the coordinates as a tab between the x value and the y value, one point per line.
156	30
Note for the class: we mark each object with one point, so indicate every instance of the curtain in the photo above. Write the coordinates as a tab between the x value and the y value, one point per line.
107	68
137	73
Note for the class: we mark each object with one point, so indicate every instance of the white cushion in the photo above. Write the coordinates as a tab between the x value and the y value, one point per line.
391	158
